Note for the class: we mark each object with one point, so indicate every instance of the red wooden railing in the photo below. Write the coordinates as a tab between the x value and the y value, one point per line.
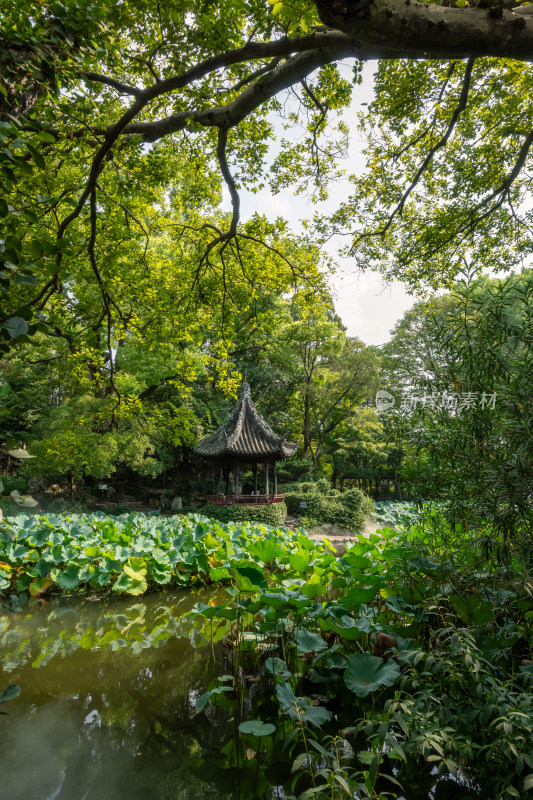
244	499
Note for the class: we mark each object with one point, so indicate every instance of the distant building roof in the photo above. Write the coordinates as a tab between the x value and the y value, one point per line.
245	434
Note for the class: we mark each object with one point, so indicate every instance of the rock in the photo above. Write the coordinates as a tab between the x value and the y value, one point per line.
177	504
384	644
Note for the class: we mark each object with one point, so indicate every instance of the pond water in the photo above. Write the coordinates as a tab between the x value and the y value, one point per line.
108	692
107	709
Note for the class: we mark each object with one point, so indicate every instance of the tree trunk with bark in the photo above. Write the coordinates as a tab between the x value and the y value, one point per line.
405	29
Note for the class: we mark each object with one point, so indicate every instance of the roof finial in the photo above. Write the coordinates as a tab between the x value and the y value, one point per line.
245	388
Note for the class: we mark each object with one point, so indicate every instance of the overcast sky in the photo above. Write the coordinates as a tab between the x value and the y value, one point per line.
367	306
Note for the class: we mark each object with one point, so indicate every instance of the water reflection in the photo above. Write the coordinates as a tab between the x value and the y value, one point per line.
108	702
108	692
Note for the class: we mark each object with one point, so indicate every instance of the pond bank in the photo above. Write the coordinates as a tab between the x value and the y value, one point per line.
337	536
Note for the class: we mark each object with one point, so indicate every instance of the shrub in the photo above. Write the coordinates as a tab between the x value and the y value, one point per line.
14	483
122	509
274	514
315	504
321	486
9	508
62	506
346	509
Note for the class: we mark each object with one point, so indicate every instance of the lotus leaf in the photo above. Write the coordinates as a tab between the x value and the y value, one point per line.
219	574
366	673
39	585
70	578
358	595
204	699
346	628
160	574
277	667
266	550
256	727
307	642
300	708
251	574
299	561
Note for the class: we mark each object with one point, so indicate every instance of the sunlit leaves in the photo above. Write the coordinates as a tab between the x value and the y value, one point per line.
461	205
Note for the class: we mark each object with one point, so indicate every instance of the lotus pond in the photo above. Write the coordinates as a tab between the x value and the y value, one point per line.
265	665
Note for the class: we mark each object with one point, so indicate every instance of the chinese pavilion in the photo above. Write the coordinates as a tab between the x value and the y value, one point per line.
245	439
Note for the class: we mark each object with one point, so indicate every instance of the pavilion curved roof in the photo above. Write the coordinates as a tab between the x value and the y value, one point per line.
245	433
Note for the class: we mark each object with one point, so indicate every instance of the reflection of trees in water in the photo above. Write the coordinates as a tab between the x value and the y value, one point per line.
111	721
134	739
41	634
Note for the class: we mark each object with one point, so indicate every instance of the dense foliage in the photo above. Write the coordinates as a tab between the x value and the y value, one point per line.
133	303
125	284
461	674
184	386
125	554
315	503
274	514
409	647
460	368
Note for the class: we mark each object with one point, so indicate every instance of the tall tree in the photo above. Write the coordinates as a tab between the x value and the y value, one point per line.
469	421
187	92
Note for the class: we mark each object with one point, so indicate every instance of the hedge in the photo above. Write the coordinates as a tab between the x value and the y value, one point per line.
347	509
274	514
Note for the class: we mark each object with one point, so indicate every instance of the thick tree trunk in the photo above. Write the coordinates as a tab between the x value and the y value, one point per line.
405	29
397	487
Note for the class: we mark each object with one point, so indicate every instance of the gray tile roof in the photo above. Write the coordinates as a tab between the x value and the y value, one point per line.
245	433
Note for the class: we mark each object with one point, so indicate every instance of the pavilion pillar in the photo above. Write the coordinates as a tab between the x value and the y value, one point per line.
275	479
226	473
217	479
254	472
236	478
266	479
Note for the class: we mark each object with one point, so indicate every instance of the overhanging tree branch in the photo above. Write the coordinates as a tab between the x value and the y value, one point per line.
230	183
123	88
442	142
406	29
291	71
